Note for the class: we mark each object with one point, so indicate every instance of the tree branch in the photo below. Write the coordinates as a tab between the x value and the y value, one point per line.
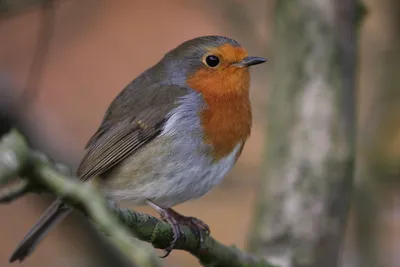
17	159
39	175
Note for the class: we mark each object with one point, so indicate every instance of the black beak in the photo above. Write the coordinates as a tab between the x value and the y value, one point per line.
250	61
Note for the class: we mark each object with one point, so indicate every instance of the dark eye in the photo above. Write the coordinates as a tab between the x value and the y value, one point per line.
212	61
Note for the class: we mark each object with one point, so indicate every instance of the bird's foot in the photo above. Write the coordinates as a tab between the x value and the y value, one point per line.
175	220
200	227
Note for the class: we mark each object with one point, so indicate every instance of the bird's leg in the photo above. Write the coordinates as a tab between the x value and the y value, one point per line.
175	219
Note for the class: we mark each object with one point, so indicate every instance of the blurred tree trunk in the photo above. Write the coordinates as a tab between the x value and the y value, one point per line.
304	199
378	174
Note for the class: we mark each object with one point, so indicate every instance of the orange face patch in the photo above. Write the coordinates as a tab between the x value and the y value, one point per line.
224	79
225	88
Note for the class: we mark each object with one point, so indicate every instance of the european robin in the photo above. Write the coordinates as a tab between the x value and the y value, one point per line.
170	136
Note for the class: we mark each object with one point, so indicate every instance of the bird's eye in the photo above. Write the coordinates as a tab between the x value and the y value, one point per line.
212	61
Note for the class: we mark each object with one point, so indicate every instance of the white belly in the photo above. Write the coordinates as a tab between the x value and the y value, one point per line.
168	179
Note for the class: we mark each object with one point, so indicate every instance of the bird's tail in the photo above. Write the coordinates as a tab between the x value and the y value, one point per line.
54	214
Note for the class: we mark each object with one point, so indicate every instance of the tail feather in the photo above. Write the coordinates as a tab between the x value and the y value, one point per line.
54	214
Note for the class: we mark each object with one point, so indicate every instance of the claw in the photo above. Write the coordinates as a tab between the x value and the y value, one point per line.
175	219
176	231
199	226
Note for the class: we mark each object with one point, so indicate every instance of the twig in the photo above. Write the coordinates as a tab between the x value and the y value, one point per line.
13	156
145	227
159	234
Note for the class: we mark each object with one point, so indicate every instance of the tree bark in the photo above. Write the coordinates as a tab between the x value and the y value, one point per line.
378	164
307	185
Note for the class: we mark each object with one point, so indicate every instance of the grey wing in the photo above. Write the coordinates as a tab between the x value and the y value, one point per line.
111	148
117	139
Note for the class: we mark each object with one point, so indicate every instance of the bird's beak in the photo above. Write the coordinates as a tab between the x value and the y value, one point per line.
250	61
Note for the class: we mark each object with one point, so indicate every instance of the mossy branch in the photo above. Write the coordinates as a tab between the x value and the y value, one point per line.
39	174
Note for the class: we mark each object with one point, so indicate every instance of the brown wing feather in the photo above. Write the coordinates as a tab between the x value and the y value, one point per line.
119	142
121	136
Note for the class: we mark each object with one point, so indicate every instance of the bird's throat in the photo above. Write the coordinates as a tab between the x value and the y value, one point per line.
226	122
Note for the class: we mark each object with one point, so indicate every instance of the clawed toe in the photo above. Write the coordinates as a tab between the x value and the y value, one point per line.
175	219
176	231
200	225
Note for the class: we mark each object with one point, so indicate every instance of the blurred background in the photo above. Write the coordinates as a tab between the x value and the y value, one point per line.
98	46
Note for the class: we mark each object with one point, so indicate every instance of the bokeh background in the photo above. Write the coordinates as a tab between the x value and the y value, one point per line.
99	46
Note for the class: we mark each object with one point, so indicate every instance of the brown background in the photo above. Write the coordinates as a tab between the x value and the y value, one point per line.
100	46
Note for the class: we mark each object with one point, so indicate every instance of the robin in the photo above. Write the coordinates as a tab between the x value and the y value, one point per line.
170	136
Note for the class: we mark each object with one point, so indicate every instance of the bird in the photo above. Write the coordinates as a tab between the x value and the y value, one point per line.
170	136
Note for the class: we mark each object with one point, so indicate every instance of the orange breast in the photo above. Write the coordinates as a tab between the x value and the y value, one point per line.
227	119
